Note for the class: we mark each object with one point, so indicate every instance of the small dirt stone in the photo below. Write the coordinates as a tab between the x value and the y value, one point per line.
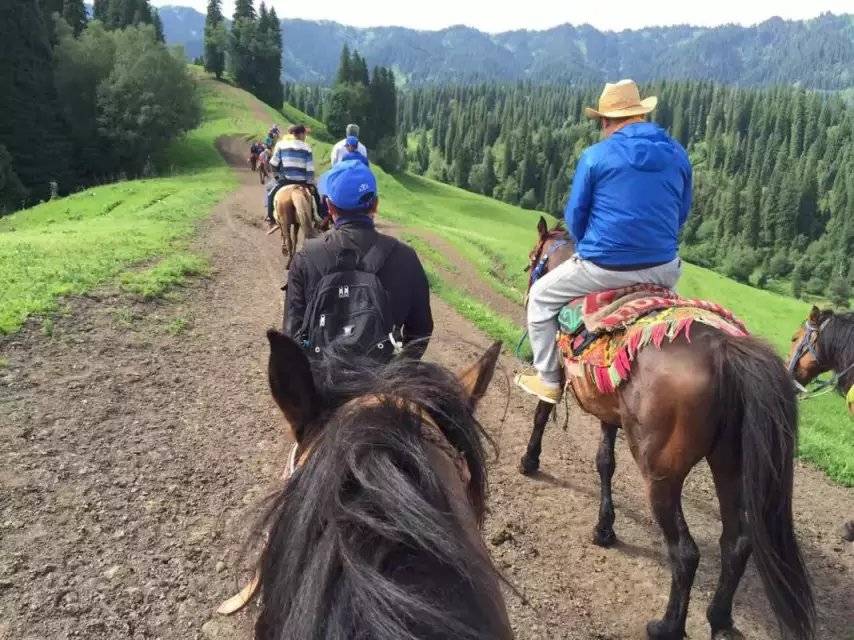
848	531
501	537
220	567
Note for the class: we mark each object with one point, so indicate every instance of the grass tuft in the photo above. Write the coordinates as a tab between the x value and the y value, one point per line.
169	273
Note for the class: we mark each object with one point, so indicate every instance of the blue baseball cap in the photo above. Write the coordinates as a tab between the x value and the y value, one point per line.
350	185
353	141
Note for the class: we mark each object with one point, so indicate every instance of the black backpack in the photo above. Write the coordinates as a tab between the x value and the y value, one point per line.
351	308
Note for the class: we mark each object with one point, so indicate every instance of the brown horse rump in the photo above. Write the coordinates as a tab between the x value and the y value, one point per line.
602	333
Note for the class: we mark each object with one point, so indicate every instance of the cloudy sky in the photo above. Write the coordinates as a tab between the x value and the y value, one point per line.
489	15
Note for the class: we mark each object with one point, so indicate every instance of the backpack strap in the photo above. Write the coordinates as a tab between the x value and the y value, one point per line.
376	256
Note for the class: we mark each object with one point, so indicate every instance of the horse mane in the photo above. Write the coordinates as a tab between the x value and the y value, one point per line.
836	345
363	542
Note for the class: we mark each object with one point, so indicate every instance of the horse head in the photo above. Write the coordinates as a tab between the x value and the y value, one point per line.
378	527
805	362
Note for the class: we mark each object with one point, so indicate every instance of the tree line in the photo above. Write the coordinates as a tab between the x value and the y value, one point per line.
87	101
251	51
774	168
369	100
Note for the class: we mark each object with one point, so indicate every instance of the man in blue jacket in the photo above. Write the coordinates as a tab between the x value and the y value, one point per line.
630	197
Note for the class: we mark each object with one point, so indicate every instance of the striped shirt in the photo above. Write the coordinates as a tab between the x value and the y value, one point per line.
292	160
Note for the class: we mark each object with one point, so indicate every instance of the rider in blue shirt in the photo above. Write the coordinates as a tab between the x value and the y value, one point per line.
630	196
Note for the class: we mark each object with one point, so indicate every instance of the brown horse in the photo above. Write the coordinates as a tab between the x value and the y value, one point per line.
377	532
293	210
824	343
728	400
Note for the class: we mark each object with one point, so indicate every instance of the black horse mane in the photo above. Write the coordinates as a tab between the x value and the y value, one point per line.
836	345
363	542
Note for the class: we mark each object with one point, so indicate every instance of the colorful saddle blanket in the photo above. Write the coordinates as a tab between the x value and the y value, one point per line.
602	333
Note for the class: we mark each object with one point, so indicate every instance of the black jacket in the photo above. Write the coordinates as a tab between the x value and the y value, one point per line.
402	275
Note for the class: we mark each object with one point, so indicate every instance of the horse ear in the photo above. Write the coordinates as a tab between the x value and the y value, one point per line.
476	378
815	315
291	382
542	227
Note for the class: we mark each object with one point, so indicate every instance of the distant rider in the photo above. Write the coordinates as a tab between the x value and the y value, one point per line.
293	163
352	151
630	197
351	191
340	148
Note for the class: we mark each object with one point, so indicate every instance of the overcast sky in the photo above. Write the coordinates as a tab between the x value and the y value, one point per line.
489	15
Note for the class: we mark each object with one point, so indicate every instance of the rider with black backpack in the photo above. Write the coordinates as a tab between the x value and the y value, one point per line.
362	290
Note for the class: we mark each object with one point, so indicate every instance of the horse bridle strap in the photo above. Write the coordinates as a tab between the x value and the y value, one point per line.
430	431
538	270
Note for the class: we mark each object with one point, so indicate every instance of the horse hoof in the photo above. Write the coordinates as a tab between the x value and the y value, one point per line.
527	466
727	634
604	538
662	630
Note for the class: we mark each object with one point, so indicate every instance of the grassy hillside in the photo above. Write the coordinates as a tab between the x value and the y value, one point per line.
72	244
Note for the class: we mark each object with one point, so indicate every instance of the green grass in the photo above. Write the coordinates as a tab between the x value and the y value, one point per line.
170	272
74	244
428	252
318	129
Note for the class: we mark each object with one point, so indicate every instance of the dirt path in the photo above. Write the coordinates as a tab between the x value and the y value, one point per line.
138	439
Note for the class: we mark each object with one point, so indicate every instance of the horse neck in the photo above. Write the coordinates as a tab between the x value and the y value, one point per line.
836	347
561	254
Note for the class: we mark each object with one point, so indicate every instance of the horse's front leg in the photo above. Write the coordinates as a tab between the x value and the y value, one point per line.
530	462
603	534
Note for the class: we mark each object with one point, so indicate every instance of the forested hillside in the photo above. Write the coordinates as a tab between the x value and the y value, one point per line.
774	168
816	53
85	102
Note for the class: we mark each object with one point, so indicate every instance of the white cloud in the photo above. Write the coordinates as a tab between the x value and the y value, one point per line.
542	14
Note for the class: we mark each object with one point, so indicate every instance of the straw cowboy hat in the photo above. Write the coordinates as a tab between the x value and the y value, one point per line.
621	100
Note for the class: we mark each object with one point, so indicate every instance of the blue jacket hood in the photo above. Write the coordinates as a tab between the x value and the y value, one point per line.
647	146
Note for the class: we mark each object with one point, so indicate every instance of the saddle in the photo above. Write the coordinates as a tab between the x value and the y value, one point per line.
602	333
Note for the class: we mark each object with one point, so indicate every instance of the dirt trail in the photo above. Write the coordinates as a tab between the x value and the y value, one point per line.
138	439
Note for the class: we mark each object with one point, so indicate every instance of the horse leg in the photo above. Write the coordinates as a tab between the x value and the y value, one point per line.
735	542
666	498
530	462
603	534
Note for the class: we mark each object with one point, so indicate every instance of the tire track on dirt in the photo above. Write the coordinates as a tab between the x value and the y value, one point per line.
135	458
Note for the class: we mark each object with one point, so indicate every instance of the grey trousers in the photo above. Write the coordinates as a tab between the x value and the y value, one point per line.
574	278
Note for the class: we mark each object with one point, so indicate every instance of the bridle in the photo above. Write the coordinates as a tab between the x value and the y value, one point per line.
540	261
808	344
430	431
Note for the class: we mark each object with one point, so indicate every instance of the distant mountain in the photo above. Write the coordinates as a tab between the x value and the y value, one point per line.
817	53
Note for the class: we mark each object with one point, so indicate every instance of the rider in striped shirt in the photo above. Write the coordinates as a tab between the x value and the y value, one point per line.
293	163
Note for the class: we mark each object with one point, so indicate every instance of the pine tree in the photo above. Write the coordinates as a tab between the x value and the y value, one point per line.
74	13
99	10
344	71
275	89
28	99
216	39
158	26
244	9
797	281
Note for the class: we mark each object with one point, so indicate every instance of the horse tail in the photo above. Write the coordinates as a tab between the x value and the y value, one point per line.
758	398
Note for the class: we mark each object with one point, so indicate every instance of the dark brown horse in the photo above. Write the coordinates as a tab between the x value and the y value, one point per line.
728	400
824	343
377	533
